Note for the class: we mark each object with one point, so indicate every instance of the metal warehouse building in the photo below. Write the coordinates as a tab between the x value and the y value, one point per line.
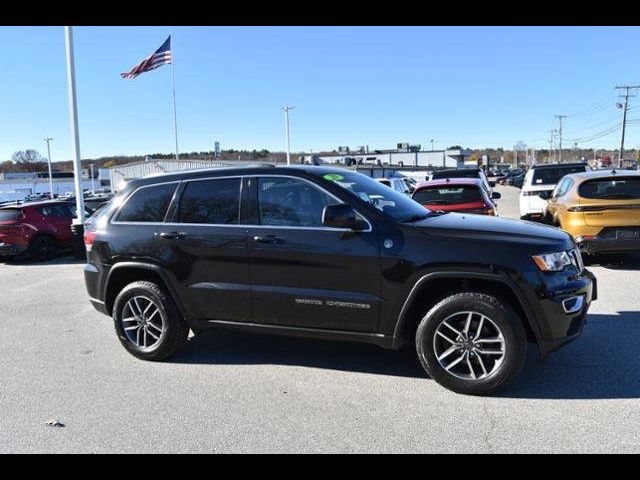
120	174
451	158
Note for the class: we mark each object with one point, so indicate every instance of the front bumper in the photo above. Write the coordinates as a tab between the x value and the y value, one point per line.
10	249
559	323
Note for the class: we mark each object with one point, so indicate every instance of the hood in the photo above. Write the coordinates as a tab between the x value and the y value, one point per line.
494	229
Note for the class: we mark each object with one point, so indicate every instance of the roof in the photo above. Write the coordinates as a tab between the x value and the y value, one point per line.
38	203
582	176
243	170
556	165
450	181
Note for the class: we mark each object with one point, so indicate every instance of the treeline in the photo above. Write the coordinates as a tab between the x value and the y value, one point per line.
32	161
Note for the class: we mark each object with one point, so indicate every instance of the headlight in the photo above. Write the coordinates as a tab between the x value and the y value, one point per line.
553	262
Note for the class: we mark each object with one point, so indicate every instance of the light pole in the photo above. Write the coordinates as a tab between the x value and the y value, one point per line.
48	139
75	136
286	120
93	181
432	145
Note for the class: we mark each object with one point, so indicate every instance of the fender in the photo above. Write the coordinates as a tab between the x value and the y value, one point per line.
493	276
155	269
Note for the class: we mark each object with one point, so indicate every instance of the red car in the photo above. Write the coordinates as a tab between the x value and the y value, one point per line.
464	195
39	228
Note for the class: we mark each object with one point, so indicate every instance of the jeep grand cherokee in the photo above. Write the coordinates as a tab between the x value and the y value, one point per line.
328	253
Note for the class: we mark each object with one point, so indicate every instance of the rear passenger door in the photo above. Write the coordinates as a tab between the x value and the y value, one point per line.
305	274
205	248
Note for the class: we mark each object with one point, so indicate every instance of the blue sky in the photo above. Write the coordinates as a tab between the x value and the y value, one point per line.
376	86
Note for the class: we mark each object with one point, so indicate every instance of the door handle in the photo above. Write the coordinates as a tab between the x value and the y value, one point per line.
173	235
269	239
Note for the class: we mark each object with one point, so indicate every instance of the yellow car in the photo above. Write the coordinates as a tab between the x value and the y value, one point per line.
600	209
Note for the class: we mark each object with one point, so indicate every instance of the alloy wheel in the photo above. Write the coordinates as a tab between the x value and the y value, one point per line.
469	345
143	323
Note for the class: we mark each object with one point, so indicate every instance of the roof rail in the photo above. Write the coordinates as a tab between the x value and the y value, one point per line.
260	165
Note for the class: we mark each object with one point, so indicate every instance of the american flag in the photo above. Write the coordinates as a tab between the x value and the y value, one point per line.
160	57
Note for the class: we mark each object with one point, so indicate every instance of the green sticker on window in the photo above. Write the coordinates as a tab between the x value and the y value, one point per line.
334	177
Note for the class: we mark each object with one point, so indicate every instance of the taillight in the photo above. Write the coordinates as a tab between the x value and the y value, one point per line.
89	238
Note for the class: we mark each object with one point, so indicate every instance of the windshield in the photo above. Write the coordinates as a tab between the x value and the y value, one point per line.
551	176
461	173
448	195
396	205
618	188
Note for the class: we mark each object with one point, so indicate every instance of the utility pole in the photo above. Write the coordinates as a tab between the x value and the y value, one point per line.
560	117
286	118
625	108
552	132
48	139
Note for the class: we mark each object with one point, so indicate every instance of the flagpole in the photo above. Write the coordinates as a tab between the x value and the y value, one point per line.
173	82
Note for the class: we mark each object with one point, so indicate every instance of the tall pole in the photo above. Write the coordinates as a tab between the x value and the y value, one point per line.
625	108
48	139
560	117
73	113
432	145
173	85
93	181
286	121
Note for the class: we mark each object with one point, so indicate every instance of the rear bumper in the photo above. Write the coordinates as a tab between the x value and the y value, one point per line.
92	281
531	205
601	245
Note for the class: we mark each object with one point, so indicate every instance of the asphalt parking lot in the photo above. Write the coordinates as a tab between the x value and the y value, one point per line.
235	392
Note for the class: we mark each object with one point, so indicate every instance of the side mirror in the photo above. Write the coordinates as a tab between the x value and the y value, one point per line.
496	195
341	215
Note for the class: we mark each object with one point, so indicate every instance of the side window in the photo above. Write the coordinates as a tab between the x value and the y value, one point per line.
57	211
148	205
291	202
215	202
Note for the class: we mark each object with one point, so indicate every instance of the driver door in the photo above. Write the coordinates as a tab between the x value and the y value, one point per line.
303	273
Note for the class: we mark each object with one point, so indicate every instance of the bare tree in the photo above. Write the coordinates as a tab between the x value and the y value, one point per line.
29	160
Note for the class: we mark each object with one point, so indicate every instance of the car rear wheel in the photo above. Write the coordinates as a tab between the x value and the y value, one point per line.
147	322
43	248
472	343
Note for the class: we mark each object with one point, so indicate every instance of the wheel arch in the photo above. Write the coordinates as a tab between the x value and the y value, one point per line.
122	274
435	286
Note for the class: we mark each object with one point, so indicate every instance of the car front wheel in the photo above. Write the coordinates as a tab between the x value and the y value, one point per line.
147	322
472	343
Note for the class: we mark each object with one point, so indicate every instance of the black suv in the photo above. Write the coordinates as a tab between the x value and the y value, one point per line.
328	253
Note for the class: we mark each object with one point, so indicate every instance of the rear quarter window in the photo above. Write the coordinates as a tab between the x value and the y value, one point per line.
148	204
10	214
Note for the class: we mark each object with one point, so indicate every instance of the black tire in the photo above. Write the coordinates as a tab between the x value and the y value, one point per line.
501	315
43	248
175	328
